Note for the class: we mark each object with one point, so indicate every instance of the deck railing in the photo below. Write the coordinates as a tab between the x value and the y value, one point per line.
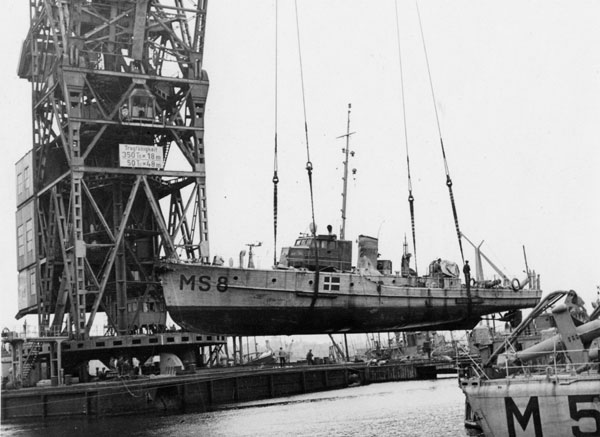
556	363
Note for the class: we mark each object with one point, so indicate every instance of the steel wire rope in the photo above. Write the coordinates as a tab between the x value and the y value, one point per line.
129	391
275	167
410	194
309	166
437	119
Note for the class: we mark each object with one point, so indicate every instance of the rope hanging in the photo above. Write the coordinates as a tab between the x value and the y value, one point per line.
411	198
309	166
275	176
437	118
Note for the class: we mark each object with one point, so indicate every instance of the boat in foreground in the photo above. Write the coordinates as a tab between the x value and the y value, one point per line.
315	290
550	389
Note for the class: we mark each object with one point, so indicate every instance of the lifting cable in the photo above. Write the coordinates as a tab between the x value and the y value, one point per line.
309	166
437	118
275	176
411	198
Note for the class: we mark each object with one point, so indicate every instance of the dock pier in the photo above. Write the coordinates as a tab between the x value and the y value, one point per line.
202	390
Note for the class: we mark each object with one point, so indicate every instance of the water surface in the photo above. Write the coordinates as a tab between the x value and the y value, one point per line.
409	408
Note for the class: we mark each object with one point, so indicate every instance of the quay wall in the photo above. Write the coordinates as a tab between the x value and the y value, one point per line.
201	391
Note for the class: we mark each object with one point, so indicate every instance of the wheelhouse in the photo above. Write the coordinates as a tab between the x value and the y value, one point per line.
322	252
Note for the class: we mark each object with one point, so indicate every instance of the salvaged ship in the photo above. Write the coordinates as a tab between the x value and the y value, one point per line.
551	388
314	289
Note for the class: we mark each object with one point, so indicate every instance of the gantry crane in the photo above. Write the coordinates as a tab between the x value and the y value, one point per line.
115	179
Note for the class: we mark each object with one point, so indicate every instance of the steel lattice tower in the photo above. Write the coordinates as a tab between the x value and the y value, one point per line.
118	168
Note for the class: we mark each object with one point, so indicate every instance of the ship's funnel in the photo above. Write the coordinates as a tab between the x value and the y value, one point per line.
368	250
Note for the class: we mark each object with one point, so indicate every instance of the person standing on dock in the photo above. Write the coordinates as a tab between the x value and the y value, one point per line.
309	357
281	357
467	272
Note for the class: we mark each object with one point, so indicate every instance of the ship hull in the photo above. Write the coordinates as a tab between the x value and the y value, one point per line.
269	302
536	405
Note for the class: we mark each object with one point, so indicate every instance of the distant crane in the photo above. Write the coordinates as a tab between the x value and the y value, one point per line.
116	86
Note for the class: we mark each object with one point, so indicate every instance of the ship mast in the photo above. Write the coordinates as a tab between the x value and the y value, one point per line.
346	152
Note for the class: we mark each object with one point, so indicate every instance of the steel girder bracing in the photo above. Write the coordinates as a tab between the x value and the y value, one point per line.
118	96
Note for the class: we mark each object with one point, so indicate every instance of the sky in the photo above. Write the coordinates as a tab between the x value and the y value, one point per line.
516	88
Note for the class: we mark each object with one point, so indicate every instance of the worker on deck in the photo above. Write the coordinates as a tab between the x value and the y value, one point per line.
309	357
281	357
467	272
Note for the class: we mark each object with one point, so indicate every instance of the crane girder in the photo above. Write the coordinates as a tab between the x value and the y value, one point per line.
106	76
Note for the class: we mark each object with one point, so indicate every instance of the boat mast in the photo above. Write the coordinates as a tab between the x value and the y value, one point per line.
346	152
